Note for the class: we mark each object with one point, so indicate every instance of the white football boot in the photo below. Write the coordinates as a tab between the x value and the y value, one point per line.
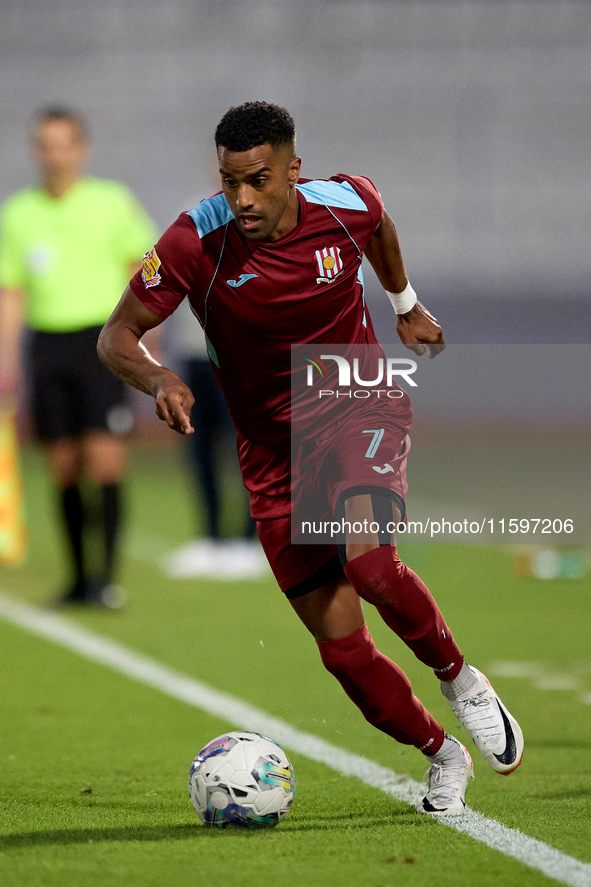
495	731
449	775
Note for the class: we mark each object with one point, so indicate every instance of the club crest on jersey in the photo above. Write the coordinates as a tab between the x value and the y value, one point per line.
329	264
150	266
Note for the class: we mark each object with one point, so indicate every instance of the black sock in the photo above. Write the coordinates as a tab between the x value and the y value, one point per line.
73	517
111	520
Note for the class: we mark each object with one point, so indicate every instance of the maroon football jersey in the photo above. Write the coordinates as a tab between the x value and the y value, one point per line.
255	299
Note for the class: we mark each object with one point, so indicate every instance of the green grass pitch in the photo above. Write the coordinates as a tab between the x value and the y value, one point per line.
94	765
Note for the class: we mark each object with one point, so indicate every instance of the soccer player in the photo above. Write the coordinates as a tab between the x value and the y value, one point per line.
250	260
67	248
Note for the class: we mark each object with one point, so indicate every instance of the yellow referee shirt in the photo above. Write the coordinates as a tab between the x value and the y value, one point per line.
71	254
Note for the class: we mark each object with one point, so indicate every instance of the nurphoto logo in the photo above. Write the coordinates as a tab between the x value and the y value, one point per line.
387	371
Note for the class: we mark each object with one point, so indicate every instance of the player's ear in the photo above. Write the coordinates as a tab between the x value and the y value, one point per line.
294	170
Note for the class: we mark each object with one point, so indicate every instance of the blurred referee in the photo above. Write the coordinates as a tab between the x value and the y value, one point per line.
67	249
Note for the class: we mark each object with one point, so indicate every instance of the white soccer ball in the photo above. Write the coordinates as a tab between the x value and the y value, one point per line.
241	779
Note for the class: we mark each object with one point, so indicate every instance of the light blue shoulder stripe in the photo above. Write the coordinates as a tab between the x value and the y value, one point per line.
338	194
210	214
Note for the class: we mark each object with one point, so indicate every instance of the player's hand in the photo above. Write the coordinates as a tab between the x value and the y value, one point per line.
418	326
173	405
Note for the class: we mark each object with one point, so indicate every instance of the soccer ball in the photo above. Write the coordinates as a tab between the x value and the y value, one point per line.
241	779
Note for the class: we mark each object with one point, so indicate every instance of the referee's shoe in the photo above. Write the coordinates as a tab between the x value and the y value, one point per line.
94	594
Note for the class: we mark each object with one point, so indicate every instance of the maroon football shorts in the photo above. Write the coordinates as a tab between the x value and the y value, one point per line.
366	450
298	569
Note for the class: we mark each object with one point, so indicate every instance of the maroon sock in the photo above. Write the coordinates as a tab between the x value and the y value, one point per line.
406	605
381	690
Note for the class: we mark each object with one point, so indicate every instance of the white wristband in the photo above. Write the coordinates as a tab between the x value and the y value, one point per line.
404	301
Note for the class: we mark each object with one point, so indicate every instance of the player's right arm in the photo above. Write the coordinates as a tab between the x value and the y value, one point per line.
120	348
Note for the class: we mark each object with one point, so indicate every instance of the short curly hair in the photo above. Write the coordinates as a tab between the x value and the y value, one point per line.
255	123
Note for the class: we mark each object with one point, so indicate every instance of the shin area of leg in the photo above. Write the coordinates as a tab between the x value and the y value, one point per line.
407	607
381	690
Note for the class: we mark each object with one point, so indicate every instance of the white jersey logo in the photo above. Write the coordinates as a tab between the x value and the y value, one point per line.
383	470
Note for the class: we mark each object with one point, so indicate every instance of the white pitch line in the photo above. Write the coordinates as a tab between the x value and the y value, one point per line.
542	677
511	842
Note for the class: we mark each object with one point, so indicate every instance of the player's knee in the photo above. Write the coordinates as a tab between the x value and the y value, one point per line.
345	656
65	462
376	575
104	457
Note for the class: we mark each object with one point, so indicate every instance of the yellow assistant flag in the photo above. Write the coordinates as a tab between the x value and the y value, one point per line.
13	531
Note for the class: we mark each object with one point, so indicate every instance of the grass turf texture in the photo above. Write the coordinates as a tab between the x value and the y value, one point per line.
71	725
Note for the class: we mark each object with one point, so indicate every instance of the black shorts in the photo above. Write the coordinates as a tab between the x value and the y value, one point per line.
72	391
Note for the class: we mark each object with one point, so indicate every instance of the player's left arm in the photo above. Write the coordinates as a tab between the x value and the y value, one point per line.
414	325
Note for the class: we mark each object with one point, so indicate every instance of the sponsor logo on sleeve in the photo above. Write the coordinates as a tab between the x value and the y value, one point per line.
329	263
150	266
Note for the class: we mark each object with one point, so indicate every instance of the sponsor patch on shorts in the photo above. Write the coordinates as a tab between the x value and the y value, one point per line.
150	266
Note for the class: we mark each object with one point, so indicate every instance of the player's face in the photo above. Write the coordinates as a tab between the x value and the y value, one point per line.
58	148
259	186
